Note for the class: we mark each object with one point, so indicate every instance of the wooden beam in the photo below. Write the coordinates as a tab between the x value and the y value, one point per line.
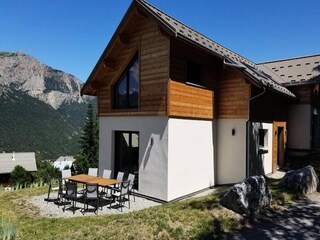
164	31
108	63
141	13
123	38
95	85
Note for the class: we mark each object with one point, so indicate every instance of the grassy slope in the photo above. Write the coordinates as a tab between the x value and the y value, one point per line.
196	218
199	218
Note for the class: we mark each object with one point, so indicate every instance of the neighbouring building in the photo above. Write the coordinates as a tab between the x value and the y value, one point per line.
64	162
183	112
301	75
8	161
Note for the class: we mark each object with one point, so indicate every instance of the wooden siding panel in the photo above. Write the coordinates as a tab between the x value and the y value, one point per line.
233	95
186	100
303	93
189	101
268	107
154	49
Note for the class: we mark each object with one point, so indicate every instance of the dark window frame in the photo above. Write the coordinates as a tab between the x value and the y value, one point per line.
195	74
126	74
117	162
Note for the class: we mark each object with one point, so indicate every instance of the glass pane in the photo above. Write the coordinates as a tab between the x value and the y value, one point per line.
121	92
134	83
127	153
135	140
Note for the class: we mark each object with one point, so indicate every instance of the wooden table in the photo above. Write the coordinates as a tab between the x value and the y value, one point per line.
84	178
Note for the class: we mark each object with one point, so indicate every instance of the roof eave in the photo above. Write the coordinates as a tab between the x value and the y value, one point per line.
111	42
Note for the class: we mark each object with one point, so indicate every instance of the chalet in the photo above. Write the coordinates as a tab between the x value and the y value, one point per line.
183	112
64	162
8	161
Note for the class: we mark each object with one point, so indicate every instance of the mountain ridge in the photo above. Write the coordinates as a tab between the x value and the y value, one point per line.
25	73
41	107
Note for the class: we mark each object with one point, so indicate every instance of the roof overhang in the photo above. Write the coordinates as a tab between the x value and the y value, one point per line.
188	35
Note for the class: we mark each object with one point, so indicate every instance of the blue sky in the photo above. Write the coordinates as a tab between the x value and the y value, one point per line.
70	35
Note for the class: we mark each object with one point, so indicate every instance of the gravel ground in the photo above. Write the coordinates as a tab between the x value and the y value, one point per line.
52	210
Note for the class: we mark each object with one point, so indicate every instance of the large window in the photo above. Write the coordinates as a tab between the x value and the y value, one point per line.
126	90
127	154
194	73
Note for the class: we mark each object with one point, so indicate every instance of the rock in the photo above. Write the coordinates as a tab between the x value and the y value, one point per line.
303	180
248	197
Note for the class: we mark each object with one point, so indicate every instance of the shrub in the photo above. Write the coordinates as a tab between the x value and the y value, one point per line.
45	171
19	176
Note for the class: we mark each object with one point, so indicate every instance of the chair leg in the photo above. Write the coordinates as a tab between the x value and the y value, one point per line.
129	200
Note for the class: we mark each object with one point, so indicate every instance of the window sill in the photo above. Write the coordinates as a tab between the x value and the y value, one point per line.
195	85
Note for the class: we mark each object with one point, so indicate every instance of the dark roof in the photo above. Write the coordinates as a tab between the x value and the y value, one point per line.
186	33
260	77
296	71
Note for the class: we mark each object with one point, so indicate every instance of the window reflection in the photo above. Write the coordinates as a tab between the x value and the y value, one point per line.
127	88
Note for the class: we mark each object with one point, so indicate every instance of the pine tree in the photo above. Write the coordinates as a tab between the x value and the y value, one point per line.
89	143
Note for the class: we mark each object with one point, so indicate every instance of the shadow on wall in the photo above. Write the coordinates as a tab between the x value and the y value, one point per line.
255	157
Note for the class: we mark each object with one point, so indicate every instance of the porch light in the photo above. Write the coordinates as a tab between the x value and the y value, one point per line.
233	131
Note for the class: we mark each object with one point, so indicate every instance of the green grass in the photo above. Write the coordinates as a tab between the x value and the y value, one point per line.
281	196
197	218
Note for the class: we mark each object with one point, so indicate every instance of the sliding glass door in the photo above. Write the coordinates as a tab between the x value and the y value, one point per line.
127	153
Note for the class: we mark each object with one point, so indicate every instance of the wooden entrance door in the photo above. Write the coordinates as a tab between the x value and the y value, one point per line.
279	144
280	157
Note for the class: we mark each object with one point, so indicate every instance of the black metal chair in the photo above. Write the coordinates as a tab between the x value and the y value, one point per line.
116	187
91	196
71	195
53	188
119	195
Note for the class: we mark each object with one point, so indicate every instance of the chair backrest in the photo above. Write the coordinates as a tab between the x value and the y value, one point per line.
71	189
66	173
93	172
50	187
106	173
120	176
61	186
125	187
131	179
91	190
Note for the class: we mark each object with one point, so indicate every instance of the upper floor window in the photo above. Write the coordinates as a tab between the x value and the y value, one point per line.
126	90
194	73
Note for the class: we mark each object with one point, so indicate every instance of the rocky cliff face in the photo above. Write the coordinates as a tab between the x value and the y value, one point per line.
41	108
23	72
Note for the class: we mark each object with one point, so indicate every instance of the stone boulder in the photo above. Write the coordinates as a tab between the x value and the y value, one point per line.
248	197
303	180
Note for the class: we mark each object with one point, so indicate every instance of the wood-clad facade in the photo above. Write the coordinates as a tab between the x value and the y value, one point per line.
195	108
233	94
153	48
187	99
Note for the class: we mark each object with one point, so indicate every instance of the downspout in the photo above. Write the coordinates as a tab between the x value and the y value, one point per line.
248	128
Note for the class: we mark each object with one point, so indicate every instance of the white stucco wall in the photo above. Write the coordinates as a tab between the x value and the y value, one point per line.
153	160
191	156
299	126
264	159
231	151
